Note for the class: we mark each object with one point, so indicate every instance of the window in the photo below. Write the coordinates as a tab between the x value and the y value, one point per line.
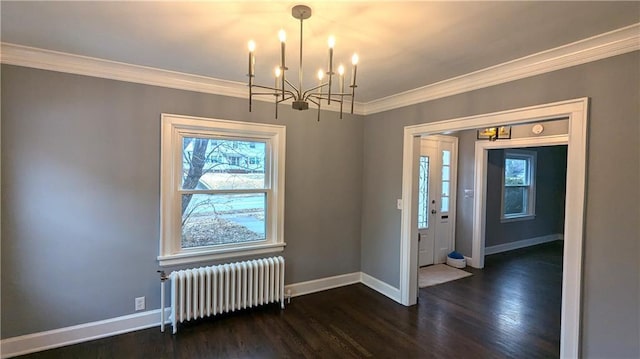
518	185
222	189
423	193
446	181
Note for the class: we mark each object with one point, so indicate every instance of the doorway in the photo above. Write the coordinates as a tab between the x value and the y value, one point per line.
480	203
577	113
437	178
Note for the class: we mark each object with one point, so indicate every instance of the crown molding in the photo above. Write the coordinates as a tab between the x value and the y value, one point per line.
13	54
19	55
617	42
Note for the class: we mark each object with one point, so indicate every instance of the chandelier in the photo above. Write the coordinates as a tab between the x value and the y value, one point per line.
283	90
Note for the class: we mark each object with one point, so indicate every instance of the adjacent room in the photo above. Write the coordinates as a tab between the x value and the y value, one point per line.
266	179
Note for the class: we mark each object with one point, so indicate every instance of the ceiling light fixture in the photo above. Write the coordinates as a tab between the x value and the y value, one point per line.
283	90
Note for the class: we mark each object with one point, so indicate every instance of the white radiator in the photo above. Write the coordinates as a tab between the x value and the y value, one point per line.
206	291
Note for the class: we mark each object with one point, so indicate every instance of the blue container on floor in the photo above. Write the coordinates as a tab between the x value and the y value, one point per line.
456	260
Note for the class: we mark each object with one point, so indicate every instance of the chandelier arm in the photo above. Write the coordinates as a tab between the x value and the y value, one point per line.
317	100
318	97
340	94
317	104
297	90
265	87
309	92
286	98
272	89
272	94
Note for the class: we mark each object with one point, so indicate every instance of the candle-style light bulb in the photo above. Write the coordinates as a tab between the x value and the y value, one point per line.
277	73
252	59
320	74
331	42
341	74
341	70
354	70
283	38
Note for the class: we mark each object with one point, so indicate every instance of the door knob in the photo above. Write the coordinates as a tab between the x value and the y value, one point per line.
433	211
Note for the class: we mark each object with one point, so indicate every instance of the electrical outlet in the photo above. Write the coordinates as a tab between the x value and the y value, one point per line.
140	303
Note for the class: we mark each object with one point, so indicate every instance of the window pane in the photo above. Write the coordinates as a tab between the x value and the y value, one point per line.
445	173
423	193
211	219
222	164
515	200
445	188
445	204
446	158
515	172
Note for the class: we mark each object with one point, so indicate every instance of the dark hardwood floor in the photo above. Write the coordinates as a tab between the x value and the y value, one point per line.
510	309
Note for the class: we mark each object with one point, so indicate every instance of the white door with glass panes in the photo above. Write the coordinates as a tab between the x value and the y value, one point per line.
436	201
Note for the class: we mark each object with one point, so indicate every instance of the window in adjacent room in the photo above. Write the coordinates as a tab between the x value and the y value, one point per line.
518	185
222	189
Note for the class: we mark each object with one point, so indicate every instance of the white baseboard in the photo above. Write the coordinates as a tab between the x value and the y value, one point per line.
318	285
522	243
35	342
469	261
50	339
381	287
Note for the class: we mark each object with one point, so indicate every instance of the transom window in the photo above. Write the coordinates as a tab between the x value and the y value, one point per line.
222	189
518	185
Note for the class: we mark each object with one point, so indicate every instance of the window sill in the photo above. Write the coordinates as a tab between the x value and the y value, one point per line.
518	218
218	254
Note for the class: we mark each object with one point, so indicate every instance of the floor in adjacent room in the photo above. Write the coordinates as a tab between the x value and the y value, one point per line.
511	309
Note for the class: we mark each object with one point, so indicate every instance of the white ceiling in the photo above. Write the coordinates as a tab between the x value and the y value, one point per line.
402	45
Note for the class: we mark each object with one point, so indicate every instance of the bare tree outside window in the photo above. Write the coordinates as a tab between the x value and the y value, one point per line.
223	191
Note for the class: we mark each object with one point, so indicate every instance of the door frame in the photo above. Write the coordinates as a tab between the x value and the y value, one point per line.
576	111
480	185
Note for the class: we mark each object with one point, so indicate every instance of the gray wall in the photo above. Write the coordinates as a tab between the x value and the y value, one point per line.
550	182
464	205
610	320
80	193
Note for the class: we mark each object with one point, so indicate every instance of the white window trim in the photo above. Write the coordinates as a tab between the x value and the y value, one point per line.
530	214
174	127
